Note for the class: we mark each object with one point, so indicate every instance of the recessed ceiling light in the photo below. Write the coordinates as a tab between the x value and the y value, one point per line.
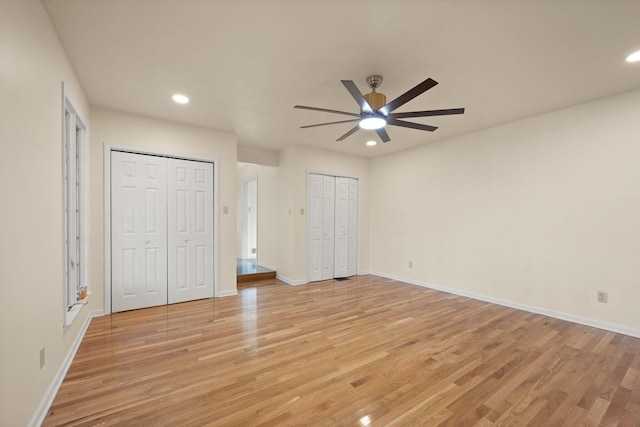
371	143
634	57
180	99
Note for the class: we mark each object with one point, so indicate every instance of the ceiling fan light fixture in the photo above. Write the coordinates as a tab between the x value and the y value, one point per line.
373	122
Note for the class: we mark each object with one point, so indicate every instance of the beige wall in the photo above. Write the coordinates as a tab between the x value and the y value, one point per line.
268	235
32	66
285	215
257	156
124	129
542	212
294	163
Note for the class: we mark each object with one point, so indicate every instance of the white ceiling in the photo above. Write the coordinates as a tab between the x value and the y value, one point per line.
245	63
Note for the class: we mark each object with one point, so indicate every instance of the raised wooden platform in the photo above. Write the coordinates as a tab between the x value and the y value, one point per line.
248	271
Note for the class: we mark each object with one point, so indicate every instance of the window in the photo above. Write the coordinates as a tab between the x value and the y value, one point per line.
75	146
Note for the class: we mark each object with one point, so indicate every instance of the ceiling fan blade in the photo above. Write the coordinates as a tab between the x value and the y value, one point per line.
353	90
408	96
402	123
384	136
330	123
352	131
325	110
426	113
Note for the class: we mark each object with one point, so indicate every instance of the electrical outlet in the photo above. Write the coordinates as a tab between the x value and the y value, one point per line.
602	296
41	357
410	264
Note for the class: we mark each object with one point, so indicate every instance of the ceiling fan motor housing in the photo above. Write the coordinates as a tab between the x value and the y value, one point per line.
376	100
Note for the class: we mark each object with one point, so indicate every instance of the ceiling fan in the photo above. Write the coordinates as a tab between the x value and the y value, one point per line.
376	112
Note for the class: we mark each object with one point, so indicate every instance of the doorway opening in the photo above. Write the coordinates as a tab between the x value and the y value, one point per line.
257	235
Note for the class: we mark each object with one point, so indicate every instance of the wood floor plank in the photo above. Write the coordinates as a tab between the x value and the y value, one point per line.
364	351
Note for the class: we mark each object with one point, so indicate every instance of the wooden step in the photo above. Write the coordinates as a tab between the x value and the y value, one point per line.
244	278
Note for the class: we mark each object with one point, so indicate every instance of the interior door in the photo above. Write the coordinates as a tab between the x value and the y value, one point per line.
352	256
314	191
328	225
139	231
341	257
190	225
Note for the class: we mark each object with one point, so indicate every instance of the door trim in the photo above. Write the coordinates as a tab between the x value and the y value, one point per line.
308	221
108	148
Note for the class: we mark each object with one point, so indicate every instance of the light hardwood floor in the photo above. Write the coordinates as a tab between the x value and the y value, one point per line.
347	353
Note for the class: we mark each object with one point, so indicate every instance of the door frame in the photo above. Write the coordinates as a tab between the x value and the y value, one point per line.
308	221
108	148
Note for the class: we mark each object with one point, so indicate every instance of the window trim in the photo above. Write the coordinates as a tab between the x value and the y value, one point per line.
71	306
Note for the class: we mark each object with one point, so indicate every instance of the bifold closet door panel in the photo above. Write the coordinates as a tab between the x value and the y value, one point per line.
341	255
314	191
190	230
352	256
328	225
321	191
138	230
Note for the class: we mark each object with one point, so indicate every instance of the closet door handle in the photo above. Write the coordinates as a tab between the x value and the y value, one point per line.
147	241
186	240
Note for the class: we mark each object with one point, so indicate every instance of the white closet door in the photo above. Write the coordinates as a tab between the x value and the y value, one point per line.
352	257
314	192
139	231
328	226
190	225
333	227
341	256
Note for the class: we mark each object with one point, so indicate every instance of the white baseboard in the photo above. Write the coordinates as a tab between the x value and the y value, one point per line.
290	281
532	309
53	388
228	293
